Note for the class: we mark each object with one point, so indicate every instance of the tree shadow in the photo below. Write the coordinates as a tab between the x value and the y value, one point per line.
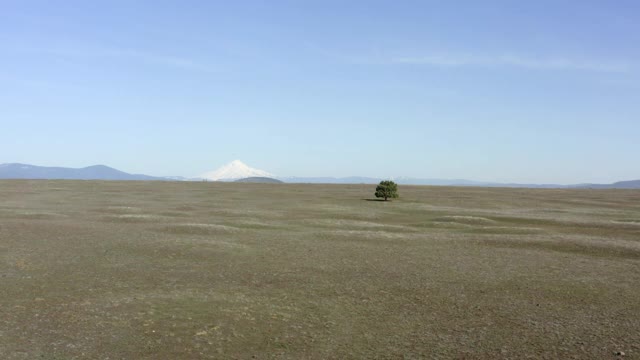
374	200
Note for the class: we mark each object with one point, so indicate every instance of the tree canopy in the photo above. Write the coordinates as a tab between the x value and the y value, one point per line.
387	189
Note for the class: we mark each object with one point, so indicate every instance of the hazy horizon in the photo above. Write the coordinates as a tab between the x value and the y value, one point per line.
499	91
317	178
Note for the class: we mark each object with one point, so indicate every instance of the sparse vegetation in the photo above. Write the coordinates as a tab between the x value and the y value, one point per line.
192	270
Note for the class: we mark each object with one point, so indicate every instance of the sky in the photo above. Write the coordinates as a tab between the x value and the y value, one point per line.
510	91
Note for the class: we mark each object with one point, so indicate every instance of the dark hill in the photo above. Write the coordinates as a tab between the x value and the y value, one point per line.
264	180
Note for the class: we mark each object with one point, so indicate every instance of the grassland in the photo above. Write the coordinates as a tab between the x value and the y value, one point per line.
155	270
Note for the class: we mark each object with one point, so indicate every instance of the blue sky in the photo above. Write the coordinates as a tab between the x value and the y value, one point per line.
515	91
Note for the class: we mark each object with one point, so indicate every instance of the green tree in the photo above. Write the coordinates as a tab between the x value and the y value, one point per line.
387	189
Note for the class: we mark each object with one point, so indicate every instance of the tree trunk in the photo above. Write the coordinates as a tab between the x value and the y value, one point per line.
385	198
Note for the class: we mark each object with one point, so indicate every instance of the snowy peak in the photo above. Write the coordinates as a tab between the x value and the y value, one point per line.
233	171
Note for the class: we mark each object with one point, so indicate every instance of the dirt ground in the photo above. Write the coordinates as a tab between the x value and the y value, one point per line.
195	270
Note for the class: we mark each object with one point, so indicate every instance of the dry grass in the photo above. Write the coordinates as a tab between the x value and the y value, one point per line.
137	270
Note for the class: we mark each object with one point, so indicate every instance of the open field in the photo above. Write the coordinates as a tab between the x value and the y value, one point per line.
168	270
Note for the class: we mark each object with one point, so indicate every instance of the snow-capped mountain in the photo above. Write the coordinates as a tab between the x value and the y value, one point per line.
233	171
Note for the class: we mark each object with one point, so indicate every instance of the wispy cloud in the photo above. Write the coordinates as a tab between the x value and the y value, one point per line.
551	63
503	60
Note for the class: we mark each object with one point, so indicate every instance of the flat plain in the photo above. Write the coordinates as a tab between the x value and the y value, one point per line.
195	270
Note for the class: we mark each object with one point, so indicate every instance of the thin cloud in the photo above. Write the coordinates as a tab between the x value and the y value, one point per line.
487	61
553	63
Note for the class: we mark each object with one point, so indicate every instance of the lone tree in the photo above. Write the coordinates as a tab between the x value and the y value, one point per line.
387	189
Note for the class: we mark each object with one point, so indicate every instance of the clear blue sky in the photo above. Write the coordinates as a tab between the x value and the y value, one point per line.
522	91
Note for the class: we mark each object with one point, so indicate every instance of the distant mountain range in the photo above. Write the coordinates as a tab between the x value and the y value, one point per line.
95	172
633	184
238	171
370	180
